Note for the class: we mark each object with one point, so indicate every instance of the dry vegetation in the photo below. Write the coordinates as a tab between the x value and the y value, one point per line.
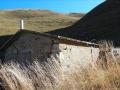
37	20
94	78
49	75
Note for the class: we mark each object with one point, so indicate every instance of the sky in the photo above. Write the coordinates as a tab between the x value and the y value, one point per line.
64	6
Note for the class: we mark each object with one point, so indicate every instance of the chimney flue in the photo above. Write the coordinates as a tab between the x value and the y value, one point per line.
21	24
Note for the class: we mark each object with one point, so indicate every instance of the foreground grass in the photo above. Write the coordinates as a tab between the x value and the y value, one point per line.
94	78
50	76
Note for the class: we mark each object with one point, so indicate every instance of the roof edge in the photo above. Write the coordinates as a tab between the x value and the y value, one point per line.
61	37
17	35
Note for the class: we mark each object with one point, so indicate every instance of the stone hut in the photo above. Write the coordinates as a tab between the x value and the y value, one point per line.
29	45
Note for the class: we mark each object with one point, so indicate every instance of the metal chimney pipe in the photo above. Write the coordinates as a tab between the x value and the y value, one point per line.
21	24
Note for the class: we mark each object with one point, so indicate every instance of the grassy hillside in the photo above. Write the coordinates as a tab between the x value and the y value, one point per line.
37	20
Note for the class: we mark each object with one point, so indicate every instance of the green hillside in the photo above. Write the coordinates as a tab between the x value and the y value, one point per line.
37	20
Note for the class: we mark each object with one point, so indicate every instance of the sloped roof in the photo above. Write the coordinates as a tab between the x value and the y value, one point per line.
102	23
62	39
4	39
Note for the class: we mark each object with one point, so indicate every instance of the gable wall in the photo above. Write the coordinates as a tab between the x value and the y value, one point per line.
35	46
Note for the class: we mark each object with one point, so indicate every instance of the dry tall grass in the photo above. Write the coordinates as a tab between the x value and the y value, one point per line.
38	76
94	78
49	75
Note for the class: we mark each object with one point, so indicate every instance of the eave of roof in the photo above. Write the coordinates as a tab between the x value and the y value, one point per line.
4	39
61	38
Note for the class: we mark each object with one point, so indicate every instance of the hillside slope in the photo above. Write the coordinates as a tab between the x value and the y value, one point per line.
37	20
103	22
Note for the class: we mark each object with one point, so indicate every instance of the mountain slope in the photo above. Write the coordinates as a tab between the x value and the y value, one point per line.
103	22
37	20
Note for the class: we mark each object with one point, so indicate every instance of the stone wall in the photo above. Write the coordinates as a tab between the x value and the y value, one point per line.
29	46
72	56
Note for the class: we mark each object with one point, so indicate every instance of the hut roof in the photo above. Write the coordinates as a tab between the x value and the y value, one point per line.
61	39
4	39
